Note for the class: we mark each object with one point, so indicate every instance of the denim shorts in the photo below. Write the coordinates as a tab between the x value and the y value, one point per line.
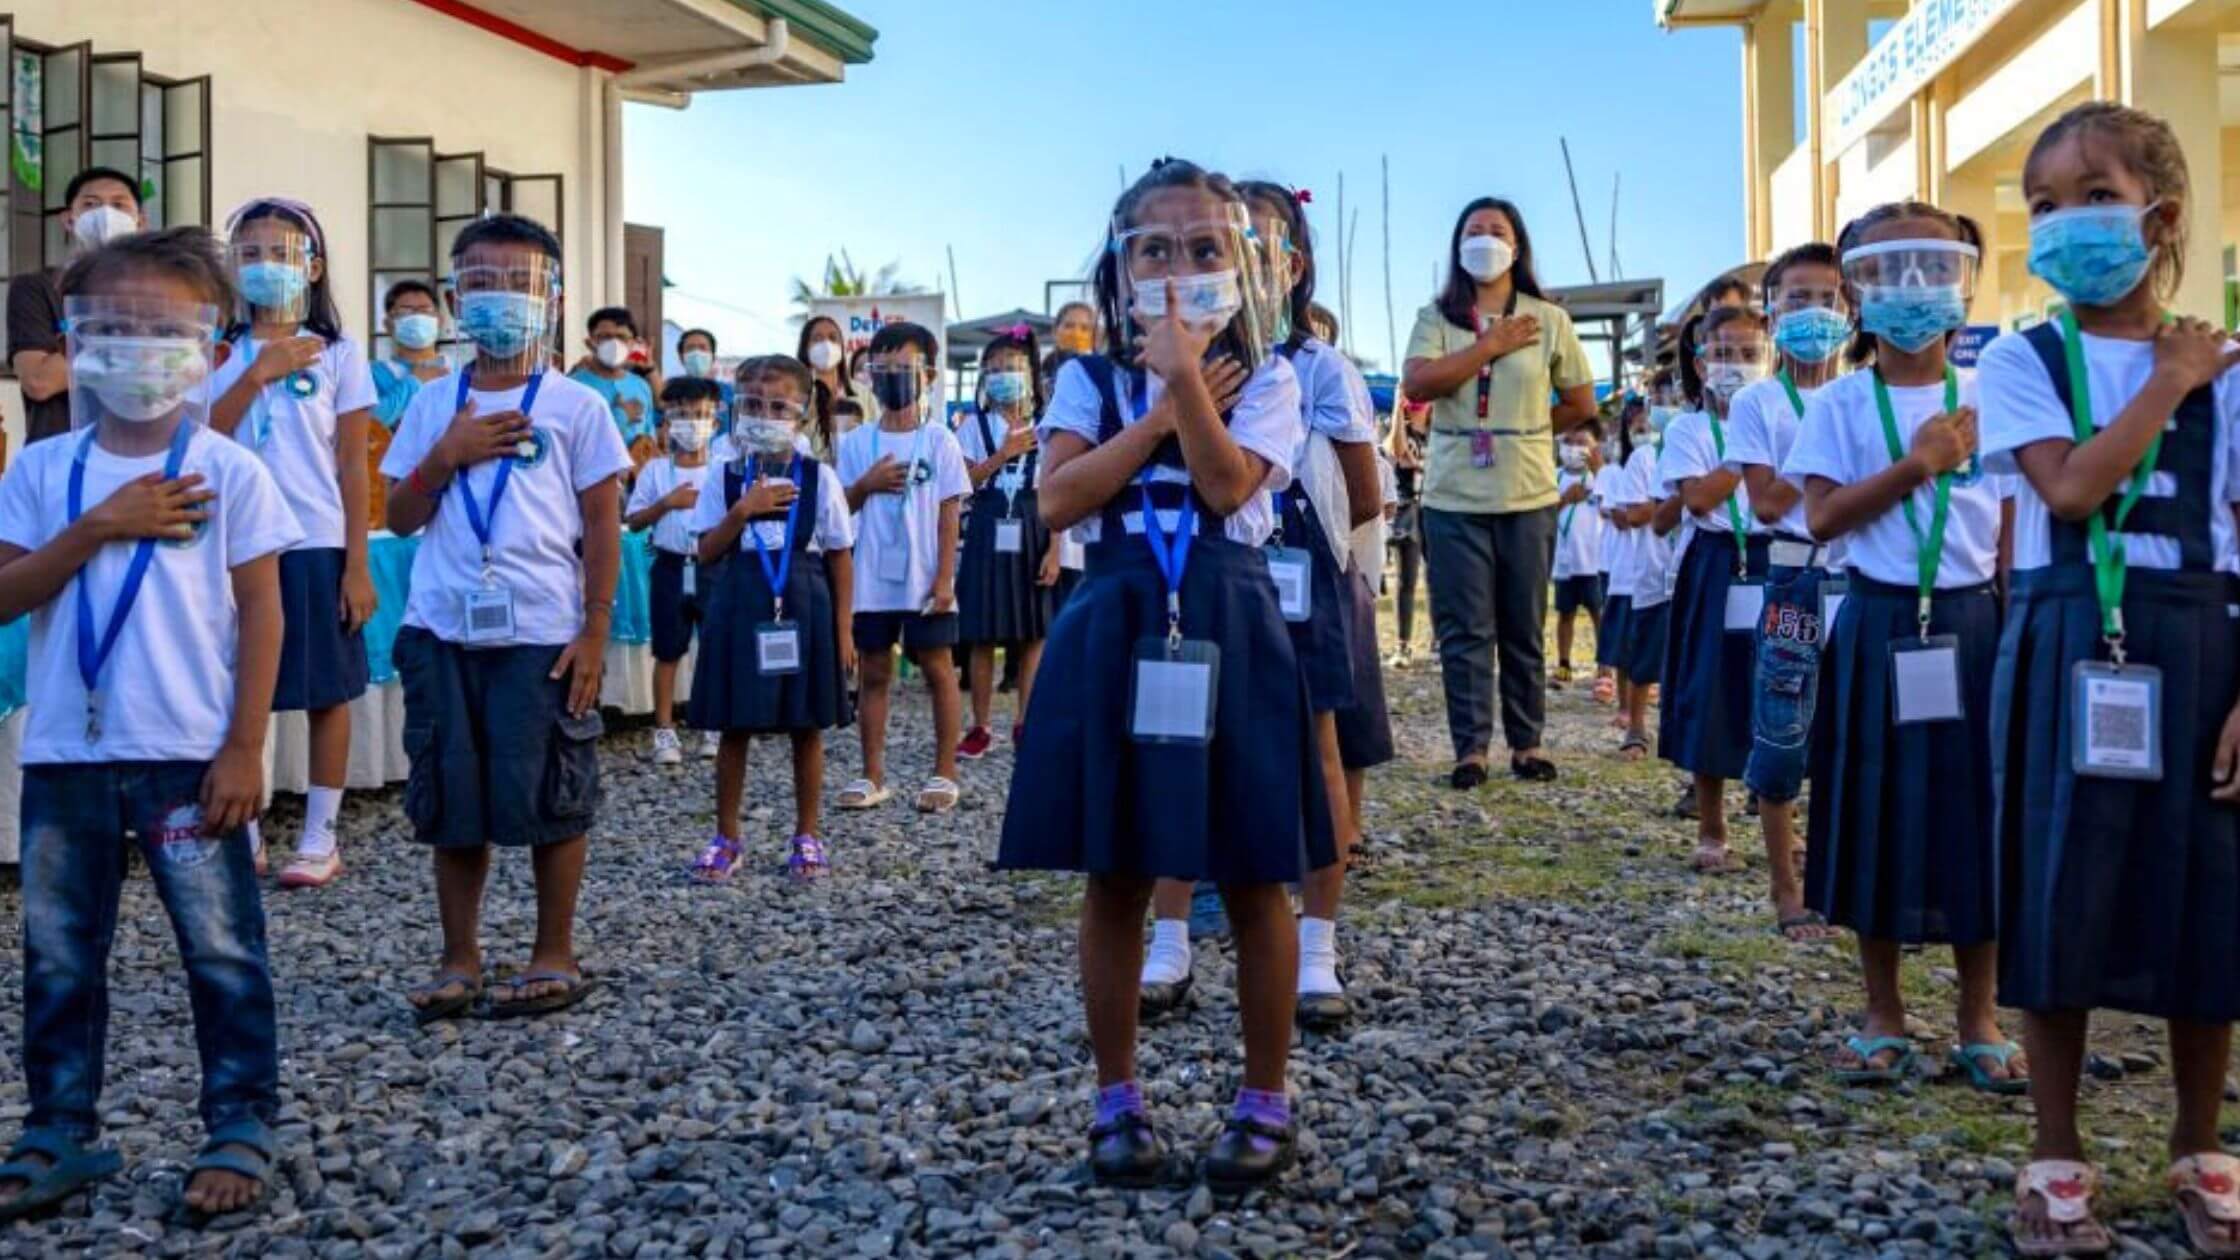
495	757
1786	688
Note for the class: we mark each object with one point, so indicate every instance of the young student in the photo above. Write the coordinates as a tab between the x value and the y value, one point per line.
512	470
662	499
1647	583
146	550
611	337
1811	325
296	391
1215	773
1705	722
906	478
1619	540
1578	566
2115	823
777	656
412	315
1608	466
1009	566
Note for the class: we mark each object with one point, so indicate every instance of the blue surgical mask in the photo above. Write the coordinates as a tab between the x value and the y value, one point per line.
2091	255
273	286
1005	388
1812	335
416	332
504	324
699	363
1912	317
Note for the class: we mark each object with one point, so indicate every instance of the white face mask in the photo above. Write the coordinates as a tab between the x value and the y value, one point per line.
1208	300
824	355
1487	257
102	224
140	379
1574	457
613	352
764	437
690	436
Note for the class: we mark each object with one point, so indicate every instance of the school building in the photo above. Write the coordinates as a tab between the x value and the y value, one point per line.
398	120
1849	103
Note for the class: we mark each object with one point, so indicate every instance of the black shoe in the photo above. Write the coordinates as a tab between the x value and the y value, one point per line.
1237	1163
1467	776
1324	1012
1126	1152
1156	1001
1533	769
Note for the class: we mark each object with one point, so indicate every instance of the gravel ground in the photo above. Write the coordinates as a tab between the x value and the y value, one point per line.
1568	1045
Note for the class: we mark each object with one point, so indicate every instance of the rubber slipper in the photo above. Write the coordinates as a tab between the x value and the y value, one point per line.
67	1168
1867	1048
1782	927
719	861
1634	747
1716	861
311	872
864	794
2066	1188
2207	1188
807	861
245	1149
437	1009
1968	1058
938	796
573	990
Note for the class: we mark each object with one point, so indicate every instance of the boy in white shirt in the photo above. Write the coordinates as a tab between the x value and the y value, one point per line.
512	469
907	482
146	549
662	499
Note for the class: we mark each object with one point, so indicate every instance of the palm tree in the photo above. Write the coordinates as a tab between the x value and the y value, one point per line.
842	278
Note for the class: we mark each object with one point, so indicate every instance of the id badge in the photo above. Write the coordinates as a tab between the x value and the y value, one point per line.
691	577
2116	719
489	616
777	647
894	562
1832	593
1174	691
1293	574
1481	449
1011	536
1746	602
1925	680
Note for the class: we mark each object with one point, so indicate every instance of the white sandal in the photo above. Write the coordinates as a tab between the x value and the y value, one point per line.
2207	1188
864	794
2066	1188
938	796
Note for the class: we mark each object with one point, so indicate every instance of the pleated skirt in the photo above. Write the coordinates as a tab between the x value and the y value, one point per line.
1365	726
1642	658
1323	642
1610	632
1703	726
729	690
998	600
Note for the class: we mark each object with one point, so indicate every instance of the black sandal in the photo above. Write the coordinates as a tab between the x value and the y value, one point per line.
1237	1163
1126	1152
1533	769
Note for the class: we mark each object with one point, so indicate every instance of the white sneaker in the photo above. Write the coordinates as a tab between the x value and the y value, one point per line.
666	750
711	742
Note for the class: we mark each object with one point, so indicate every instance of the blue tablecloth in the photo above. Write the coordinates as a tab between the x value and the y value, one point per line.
15	653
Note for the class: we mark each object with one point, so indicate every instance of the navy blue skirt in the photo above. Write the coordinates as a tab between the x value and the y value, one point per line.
1247	808
729	690
1322	642
2117	894
998	600
1704	724
1069	581
1901	815
1610	632
1365	726
321	663
1642	657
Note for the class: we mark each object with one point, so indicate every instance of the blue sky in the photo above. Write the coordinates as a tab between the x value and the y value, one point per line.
999	129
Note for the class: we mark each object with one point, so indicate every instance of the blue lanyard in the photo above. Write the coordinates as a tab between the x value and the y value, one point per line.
779	570
1172	552
477	519
94	652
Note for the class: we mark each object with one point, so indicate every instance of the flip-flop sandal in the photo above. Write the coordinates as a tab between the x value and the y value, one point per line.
438	1009
1722	860
1809	920
719	861
573	990
67	1168
807	861
2066	1188
1605	691
1867	1048
938	796
244	1148
1634	742
311	872
1969	1058
2207	1188
864	794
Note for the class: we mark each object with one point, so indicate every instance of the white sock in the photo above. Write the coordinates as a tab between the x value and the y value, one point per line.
320	806
1318	956
256	839
1168	959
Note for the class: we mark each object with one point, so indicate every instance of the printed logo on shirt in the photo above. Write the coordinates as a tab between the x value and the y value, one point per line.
534	450
199	530
181	843
921	473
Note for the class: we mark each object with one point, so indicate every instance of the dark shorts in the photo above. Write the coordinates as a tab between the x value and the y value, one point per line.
495	757
673	613
321	664
878	631
1575	593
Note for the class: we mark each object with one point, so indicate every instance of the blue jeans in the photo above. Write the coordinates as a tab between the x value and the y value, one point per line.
77	820
1787	687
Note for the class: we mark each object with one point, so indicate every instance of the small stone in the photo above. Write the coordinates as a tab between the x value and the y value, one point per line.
866	1038
1181	1237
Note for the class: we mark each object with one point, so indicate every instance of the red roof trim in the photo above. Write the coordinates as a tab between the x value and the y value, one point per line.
525	37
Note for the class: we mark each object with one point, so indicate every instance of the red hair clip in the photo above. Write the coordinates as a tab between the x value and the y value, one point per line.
1304	197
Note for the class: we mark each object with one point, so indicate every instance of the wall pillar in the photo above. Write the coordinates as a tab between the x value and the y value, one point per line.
2171	72
1769	133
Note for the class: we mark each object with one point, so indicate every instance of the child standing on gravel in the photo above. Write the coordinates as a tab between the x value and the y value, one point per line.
1887	458
662	499
2117	836
145	547
777	656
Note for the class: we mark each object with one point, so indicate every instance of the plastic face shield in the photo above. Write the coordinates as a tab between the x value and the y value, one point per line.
1214	269
508	307
1805	297
1275	256
1912	264
138	360
763	426
1735	357
272	267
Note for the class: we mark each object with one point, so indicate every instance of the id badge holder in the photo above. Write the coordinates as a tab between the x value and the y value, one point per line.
1746	603
777	648
1011	536
1832	593
1293	573
1481	449
894	561
489	609
1172	699
2115	721
1925	680
691	576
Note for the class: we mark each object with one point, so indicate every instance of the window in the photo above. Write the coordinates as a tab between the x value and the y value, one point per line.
420	201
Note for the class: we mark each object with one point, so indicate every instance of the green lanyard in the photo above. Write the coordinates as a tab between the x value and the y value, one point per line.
1928	550
1789	387
2109	561
1734	510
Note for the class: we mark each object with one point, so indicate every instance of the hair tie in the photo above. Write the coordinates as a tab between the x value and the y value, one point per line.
1018	332
1304	197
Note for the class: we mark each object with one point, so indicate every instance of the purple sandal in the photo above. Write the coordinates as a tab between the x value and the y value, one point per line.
719	861
807	860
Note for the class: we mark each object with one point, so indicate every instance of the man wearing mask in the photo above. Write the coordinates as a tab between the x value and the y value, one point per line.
98	206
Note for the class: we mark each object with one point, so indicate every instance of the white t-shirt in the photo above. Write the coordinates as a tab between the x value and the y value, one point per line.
1013	476
1647	580
1617	544
167	686
1335	403
1761	427
674	531
1841	439
909	521
835	527
1578	531
1690	452
1266	421
538	523
295	436
2020	407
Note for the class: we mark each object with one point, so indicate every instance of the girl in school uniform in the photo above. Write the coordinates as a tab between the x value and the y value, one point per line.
1715	604
1647	584
1901	760
1171	735
774	654
1008	564
1618	541
2115	737
297	392
1578	564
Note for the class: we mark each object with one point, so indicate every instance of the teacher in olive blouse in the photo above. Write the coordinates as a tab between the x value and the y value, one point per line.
1490	355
